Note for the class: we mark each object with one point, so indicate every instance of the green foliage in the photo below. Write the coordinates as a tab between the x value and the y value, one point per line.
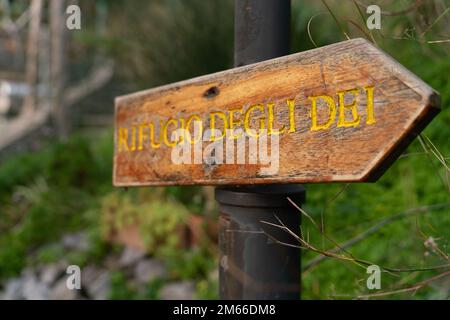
176	40
50	253
189	264
19	170
416	179
207	289
159	221
159	225
152	289
120	288
72	164
189	196
47	193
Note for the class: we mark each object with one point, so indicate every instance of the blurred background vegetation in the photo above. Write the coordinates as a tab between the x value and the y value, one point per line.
50	187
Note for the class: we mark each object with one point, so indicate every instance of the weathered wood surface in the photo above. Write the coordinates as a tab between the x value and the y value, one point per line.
345	111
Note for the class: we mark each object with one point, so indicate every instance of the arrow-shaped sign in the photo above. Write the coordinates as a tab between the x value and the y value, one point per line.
342	112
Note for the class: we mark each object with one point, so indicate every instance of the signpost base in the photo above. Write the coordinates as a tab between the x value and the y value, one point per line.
252	262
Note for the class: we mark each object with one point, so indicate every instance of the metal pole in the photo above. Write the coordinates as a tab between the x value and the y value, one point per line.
253	264
261	30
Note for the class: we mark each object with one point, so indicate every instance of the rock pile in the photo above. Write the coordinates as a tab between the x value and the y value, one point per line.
49	281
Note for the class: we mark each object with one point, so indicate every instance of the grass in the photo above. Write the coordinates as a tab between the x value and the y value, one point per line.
416	179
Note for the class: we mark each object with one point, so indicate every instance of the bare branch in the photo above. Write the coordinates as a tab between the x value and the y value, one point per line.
413	288
375	228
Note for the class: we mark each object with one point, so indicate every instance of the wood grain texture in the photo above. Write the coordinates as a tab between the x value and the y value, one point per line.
402	106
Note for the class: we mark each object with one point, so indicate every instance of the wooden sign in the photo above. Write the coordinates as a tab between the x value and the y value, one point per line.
342	112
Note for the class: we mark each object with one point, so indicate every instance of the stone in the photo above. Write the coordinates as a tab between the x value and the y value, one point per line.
61	292
28	273
52	272
183	290
96	281
33	289
76	241
149	269
13	289
112	262
101	286
130	256
89	273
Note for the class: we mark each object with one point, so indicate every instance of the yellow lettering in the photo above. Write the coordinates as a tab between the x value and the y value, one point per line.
151	127
342	107
123	139
141	136
188	125
291	105
271	120
133	138
233	122
165	134
369	105
247	120
213	124
181	138
332	111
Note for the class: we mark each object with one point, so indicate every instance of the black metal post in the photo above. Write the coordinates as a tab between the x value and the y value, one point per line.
253	264
261	30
